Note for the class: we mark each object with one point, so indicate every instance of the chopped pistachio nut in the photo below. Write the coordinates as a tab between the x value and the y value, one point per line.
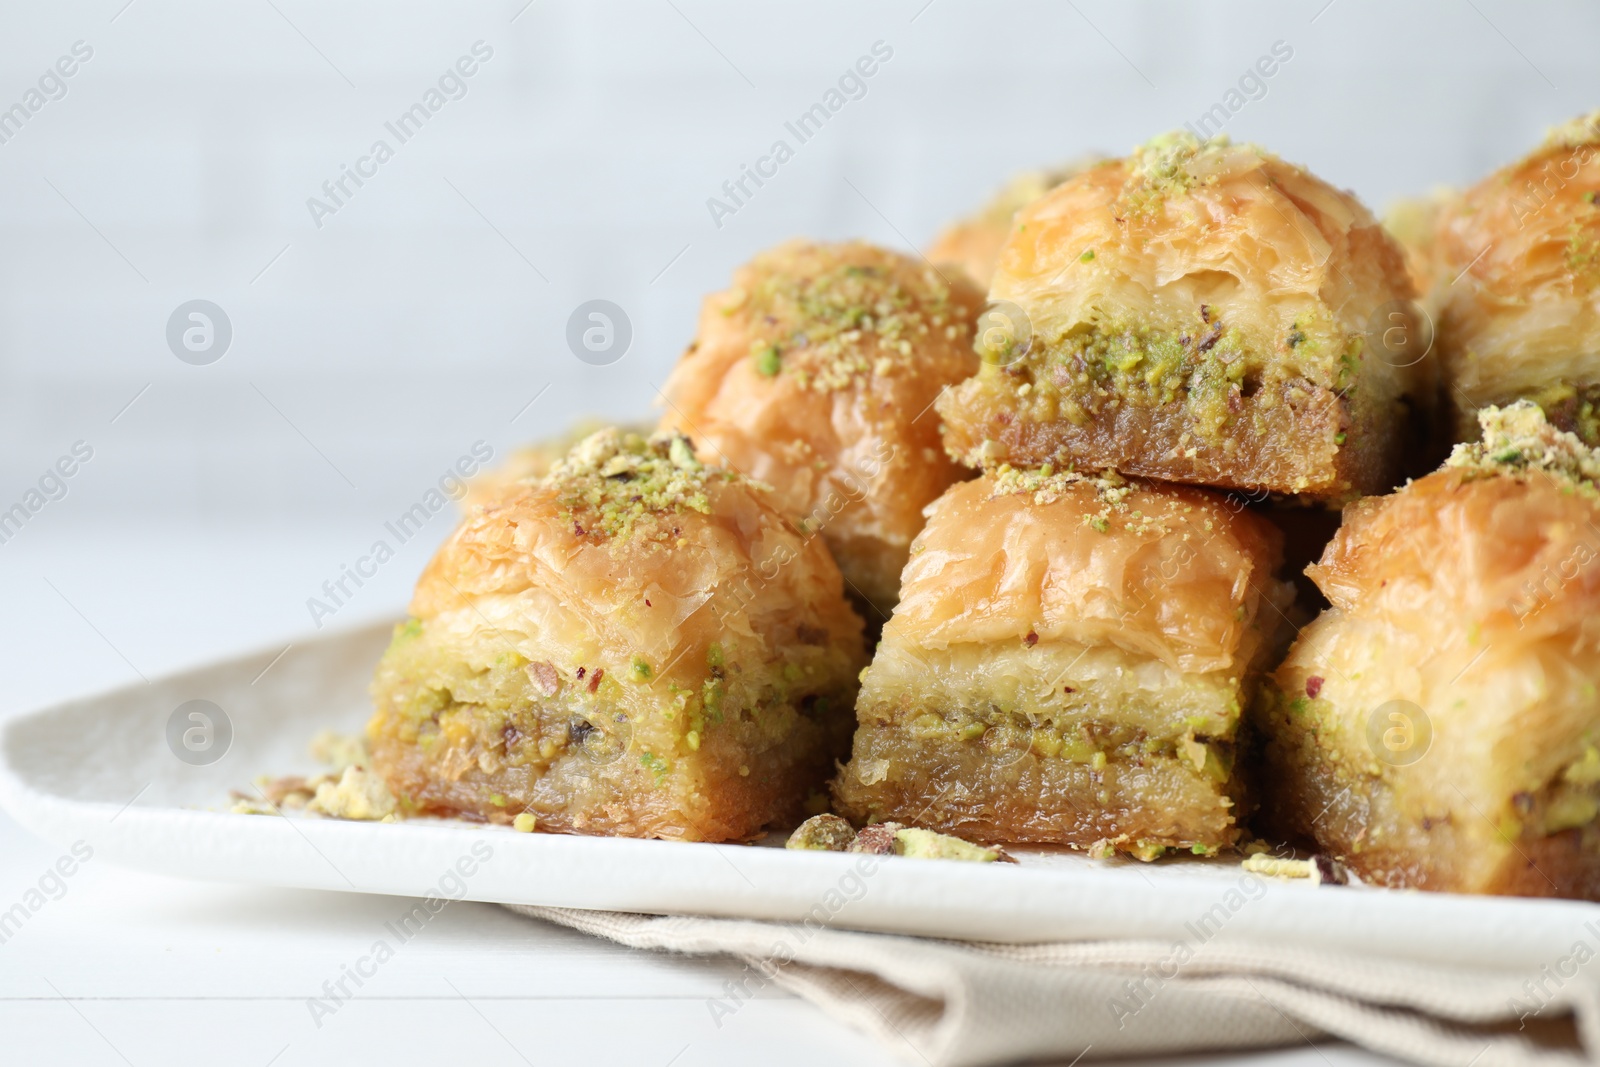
1318	869
834	326
246	806
525	822
1173	163
613	481
1518	438
927	845
822	833
1046	485
1574	133
876	839
359	794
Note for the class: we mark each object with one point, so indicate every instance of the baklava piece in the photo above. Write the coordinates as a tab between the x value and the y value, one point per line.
636	645
1068	665
1438	727
816	373
974	243
1199	312
1520	318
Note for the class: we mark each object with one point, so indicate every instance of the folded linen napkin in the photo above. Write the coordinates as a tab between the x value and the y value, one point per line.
950	1003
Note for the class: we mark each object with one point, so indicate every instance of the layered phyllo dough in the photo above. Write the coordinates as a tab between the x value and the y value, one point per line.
1200	312
1520	314
1068	664
636	644
1438	727
816	373
974	243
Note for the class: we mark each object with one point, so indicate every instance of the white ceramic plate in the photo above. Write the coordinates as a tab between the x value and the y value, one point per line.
101	770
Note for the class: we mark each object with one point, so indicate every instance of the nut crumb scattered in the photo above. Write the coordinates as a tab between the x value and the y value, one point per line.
822	833
1319	869
359	794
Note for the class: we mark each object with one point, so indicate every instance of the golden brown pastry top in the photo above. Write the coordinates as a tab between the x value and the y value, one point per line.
1184	233
1508	533
974	243
1172	572
635	544
1522	254
815	373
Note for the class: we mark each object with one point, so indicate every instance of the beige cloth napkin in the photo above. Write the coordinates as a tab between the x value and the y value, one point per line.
950	1004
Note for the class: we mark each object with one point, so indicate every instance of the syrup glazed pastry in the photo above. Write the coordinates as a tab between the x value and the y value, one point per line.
1068	665
1522	319
1199	312
973	244
1437	727
636	645
816	373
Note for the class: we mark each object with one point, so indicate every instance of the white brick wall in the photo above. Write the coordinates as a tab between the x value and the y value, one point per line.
406	328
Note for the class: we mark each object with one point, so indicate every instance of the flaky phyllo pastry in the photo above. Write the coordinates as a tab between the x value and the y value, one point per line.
974	243
636	644
1202	313
1068	664
1520	304
816	373
1438	727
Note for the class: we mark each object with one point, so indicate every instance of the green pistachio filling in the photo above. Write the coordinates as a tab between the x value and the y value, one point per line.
1208	367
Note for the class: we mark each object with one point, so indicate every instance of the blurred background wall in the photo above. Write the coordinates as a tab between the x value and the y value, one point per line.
377	338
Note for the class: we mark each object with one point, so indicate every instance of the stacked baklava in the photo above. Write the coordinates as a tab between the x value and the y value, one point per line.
1079	633
1068	511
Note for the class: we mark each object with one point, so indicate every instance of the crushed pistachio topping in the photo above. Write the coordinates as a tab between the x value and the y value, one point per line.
1518	438
830	325
1046	485
1585	129
1174	163
612	481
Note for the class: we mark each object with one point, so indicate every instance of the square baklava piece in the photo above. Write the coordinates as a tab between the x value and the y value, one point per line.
635	644
1067	666
1200	312
1438	727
